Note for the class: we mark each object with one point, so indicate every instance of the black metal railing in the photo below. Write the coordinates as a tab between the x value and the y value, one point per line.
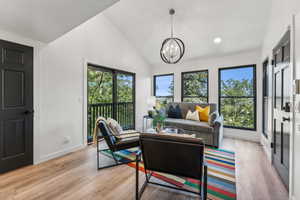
122	112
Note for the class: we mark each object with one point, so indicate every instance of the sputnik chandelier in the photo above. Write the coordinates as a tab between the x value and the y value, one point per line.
172	49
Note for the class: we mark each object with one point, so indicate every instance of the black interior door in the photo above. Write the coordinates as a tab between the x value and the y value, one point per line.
16	106
282	108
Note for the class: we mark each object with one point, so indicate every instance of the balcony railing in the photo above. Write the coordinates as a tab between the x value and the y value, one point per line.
122	112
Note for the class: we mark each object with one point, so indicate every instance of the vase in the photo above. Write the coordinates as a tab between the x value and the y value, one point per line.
158	127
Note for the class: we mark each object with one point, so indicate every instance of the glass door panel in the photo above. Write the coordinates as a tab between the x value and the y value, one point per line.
100	97
125	100
111	94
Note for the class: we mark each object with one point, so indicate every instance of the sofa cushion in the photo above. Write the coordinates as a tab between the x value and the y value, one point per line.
189	125
184	106
174	112
192	115
203	113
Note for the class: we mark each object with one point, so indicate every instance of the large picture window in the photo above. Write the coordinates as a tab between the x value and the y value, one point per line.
237	96
194	86
164	88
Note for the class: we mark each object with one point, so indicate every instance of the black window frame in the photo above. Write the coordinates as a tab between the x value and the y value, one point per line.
182	83
154	85
251	97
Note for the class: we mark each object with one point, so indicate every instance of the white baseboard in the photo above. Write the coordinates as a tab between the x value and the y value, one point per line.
242	134
59	153
293	198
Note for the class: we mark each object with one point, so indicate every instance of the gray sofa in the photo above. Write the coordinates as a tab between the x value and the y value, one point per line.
211	133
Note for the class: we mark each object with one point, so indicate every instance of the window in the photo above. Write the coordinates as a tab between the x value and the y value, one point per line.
194	86
237	96
164	89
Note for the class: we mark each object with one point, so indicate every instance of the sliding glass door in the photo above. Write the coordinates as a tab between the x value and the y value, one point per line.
111	94
125	97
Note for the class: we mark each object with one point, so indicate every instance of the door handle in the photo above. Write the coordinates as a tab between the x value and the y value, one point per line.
286	119
28	112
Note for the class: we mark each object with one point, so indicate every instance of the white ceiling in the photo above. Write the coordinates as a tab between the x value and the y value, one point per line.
46	20
146	23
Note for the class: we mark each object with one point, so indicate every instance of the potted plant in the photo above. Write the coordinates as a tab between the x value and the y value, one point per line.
158	121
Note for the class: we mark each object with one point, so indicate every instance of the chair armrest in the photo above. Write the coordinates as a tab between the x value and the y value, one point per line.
218	131
130	134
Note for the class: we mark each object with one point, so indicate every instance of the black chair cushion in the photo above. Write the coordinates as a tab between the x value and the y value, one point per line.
127	143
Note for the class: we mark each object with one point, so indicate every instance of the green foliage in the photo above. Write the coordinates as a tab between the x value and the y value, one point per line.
195	87
100	87
237	103
240	88
158	118
124	88
162	102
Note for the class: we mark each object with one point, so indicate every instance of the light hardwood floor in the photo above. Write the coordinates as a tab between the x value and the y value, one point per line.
75	176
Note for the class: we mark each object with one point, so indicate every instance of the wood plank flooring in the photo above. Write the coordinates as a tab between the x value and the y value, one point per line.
75	176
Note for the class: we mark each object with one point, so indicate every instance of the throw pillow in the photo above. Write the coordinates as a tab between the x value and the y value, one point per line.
192	115
203	113
114	126
212	117
174	112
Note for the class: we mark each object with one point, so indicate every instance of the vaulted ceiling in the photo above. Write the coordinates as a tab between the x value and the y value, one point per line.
46	20
146	23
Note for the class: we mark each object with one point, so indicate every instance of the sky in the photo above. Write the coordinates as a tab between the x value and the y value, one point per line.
163	82
237	74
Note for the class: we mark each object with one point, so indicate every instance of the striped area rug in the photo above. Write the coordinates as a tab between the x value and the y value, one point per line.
221	173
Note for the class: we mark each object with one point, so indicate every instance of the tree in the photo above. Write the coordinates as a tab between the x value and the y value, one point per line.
237	103
100	87
195	87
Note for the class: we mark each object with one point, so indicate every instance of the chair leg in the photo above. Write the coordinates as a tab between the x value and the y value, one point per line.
136	179
98	160
146	175
113	155
204	195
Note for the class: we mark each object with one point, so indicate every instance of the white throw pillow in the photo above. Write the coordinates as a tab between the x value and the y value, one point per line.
114	126
192	115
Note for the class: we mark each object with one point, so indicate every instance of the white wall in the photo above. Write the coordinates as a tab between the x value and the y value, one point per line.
62	81
59	82
280	20
212	64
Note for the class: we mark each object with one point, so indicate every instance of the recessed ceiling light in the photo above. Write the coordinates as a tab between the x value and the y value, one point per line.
217	40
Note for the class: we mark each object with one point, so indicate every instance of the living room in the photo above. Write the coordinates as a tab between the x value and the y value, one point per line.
47	117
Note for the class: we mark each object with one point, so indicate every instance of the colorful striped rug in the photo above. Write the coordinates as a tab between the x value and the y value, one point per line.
221	173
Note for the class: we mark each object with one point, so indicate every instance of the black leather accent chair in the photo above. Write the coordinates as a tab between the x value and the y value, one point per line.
179	156
114	144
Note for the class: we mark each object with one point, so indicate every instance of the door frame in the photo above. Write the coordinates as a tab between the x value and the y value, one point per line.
86	66
265	89
292	63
